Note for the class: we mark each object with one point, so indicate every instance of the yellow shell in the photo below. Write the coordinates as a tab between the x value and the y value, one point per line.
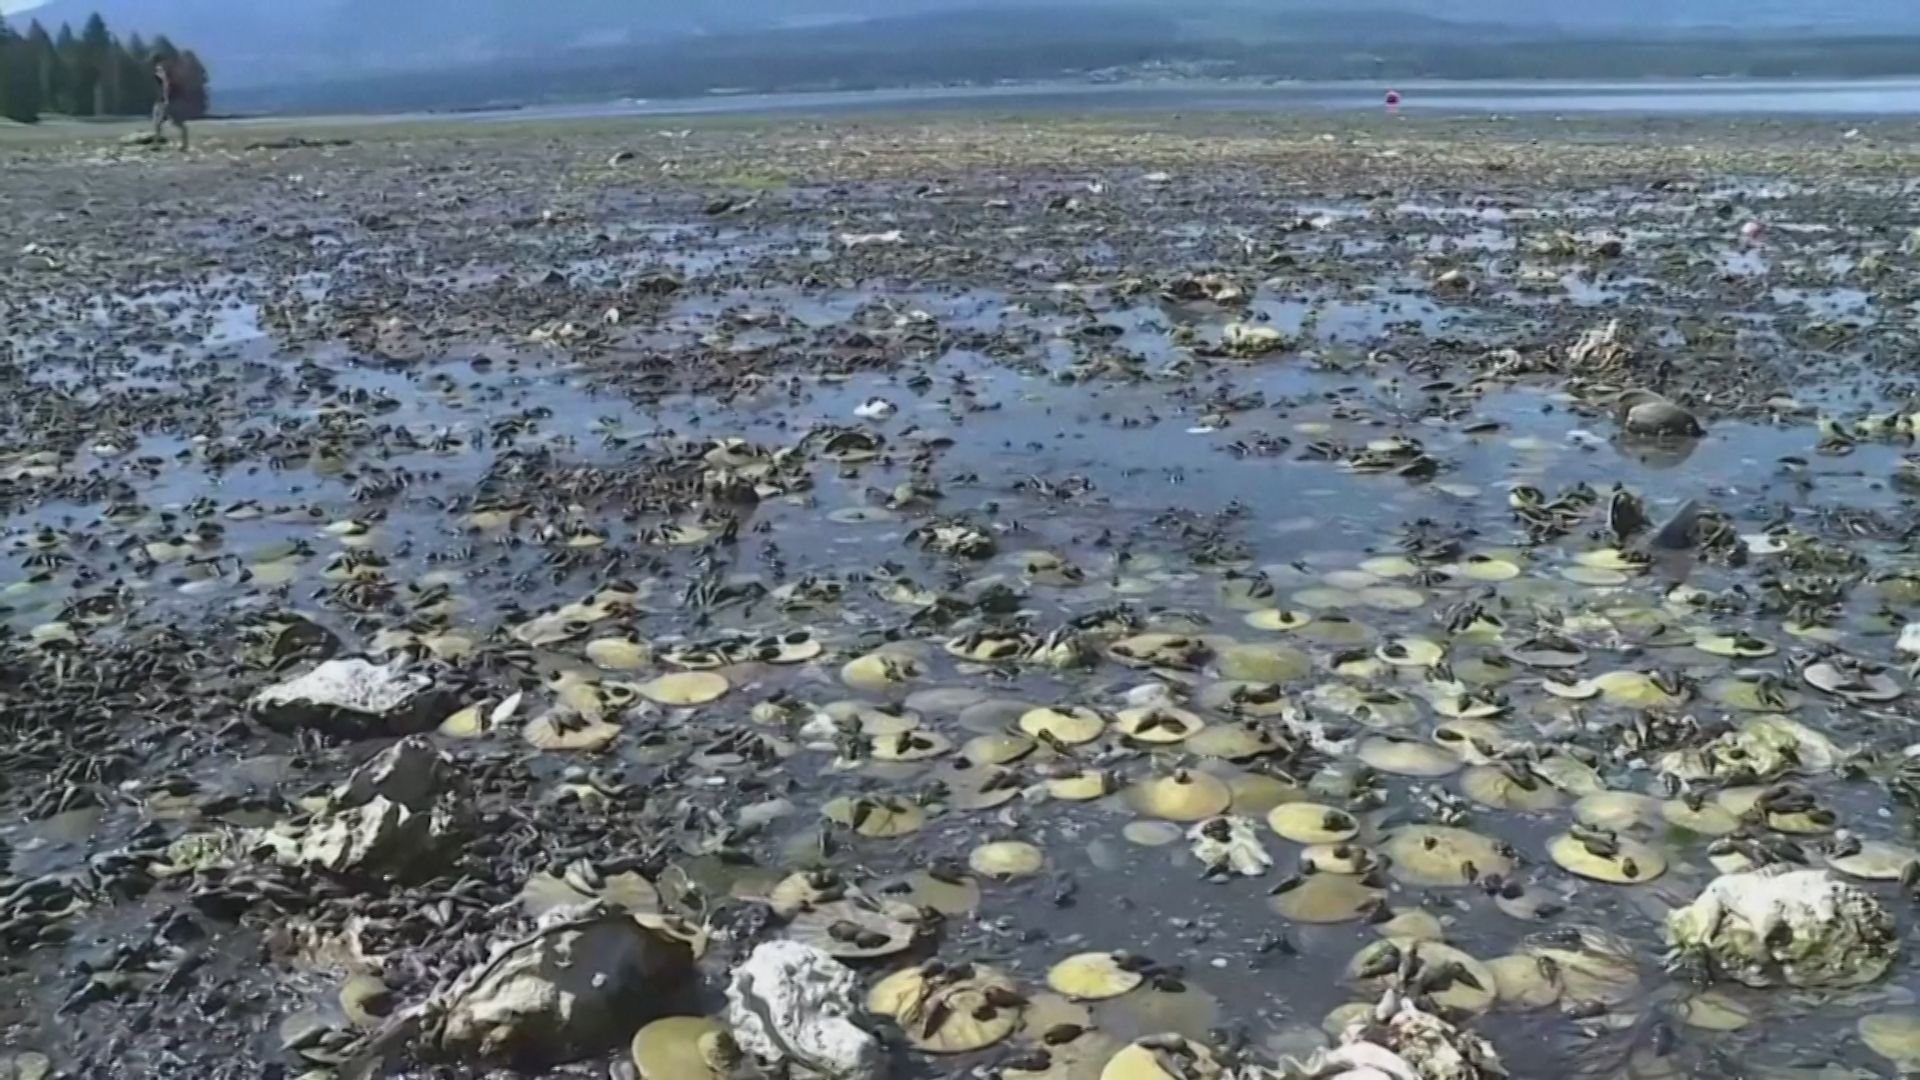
489	520
800	891
1405	757
1349	859
1232	742
1158	724
1594	576
943	1017
1601	970
1454	700
1749	695
1142	1062
1635	864
1176	651
1616	810
1487	568
988	647
1894	1036
997	749
853	930
1349	579
1255	794
467	723
1312	823
909	746
1390	566
1410	652
1251	699
1334	628
1327	898
1007	860
1715	1010
683	1048
1495	787
1277	619
1637	690
1317	600
1569	774
1577	690
1739	645
685	688
1612	559
1877	860
881	670
1047	1010
1082	786
1440	856
946	894
1383	710
1524	980
1815	822
1080	1058
1709	819
1262	663
1393	598
878	816
1183	796
1072	725
559	729
1151	833
1473	740
1460	994
1093	976
1336	1023
1419	924
873	720
1360	666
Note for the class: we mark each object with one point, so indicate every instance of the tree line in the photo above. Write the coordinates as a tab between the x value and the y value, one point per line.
93	73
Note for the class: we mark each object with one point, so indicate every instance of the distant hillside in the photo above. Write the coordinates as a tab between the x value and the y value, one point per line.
1061	42
286	42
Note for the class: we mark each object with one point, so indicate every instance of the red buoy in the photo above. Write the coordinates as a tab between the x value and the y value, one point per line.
1393	101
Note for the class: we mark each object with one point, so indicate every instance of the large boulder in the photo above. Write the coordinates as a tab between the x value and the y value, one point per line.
378	839
582	983
352	698
1401	1041
410	772
1649	415
791	1005
1775	926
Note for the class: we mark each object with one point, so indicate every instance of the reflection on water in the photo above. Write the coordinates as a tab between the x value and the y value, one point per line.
1865	97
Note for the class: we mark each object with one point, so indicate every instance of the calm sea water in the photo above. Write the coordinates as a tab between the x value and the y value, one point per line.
1865	97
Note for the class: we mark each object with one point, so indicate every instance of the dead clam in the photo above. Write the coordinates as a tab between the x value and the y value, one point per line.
684	1048
1607	856
1432	856
855	928
1853	680
950	1008
879	816
1069	725
1451	977
1183	795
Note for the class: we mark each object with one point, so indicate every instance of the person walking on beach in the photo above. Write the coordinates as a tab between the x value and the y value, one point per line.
168	104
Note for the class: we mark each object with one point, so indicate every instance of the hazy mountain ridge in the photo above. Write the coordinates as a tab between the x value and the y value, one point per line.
252	43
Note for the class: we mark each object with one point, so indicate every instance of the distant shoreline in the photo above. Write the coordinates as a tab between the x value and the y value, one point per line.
915	56
1703	95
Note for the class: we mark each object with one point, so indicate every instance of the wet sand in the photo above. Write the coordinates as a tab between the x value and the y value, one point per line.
404	397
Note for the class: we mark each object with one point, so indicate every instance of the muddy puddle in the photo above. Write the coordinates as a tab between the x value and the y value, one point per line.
1199	581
